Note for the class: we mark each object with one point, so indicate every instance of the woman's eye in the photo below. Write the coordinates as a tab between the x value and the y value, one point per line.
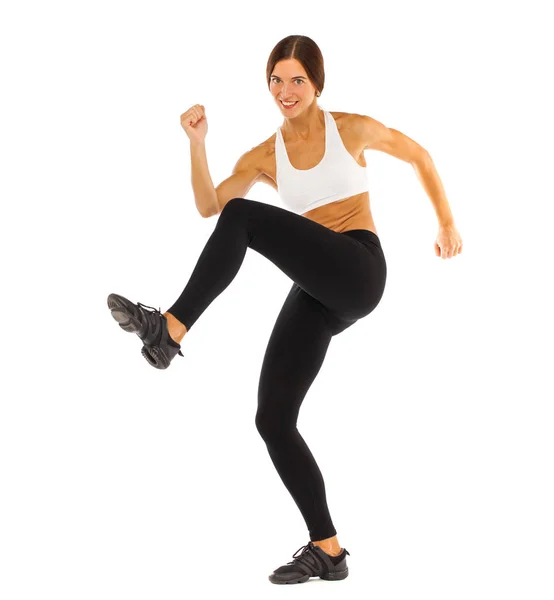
276	81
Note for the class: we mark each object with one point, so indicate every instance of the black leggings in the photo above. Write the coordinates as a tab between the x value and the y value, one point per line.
338	279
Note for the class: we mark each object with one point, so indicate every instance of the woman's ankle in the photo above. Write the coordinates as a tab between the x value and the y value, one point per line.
175	328
330	545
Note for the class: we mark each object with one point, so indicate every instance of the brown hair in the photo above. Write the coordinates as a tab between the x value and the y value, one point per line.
305	51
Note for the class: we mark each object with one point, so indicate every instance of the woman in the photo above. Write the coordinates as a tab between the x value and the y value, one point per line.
326	242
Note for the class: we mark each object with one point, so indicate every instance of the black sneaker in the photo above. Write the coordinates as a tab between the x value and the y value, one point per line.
312	562
150	325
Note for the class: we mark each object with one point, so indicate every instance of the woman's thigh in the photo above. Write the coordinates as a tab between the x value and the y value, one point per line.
294	355
343	274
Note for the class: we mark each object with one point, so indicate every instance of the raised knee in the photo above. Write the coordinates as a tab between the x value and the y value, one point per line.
234	204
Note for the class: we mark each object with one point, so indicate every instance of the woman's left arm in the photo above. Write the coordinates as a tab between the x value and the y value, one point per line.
377	136
448	242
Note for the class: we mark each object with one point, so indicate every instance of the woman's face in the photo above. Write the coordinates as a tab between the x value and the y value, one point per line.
289	82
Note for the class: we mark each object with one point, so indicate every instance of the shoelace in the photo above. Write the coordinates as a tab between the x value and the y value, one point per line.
157	311
308	558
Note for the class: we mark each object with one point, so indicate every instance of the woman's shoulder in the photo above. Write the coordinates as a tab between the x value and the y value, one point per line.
345	120
340	115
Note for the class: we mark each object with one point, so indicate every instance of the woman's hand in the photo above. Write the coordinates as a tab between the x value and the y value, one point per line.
194	122
448	242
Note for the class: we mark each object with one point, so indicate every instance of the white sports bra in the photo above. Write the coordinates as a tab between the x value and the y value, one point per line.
338	175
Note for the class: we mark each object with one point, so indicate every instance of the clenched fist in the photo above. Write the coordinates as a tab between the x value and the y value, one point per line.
448	243
194	122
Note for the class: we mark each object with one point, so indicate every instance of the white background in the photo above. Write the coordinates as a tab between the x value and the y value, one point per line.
431	419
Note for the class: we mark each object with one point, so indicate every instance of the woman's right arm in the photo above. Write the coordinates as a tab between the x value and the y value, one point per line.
211	201
205	195
245	174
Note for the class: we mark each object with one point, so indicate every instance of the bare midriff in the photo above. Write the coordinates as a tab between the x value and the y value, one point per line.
342	215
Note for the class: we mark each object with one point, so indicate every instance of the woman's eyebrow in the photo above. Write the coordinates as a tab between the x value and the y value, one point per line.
297	77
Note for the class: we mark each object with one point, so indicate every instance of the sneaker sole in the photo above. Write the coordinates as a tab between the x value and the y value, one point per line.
119	307
335	576
154	360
